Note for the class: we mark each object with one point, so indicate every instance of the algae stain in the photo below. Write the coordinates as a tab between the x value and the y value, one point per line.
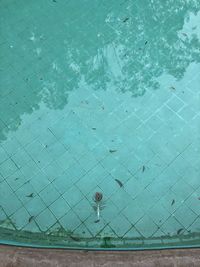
107	242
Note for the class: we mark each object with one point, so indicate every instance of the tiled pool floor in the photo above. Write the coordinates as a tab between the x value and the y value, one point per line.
100	96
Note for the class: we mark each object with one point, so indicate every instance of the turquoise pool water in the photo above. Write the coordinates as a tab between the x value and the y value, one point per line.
100	96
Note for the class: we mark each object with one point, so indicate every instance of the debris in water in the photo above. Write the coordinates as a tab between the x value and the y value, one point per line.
179	231
126	19
184	34
143	168
112	150
31	195
97	198
173	201
30	219
172	88
93	128
119	182
146	43
77	239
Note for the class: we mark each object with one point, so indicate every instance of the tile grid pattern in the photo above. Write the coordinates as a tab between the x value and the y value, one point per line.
62	172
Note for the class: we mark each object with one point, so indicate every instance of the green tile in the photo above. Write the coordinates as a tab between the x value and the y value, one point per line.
88	100
49	194
42	222
158	213
120	225
70	221
133	212
175	103
146	226
20	218
39	181
186	221
83	209
8	167
35	206
73	196
59	208
171	226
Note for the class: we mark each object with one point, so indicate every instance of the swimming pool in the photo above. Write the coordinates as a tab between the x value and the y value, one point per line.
100	123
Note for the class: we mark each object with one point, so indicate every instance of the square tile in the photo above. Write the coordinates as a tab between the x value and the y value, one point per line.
21	158
52	171
42	221
35	206
20	218
158	213
83	209
65	161
59	208
73	196
95	228
75	172
187	113
133	212
63	183
120	225
175	103
8	167
146	226
88	161
25	193
121	199
49	194
133	187
39	181
154	122
171	201
182	189
70	221
171	226
108	186
180	213
146	199
108	210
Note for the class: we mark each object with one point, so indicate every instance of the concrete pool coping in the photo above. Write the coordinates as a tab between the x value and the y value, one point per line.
21	257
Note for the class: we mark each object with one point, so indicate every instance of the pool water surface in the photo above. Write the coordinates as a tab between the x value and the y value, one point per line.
100	123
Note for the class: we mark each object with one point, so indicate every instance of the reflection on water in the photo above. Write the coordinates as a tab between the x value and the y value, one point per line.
124	48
